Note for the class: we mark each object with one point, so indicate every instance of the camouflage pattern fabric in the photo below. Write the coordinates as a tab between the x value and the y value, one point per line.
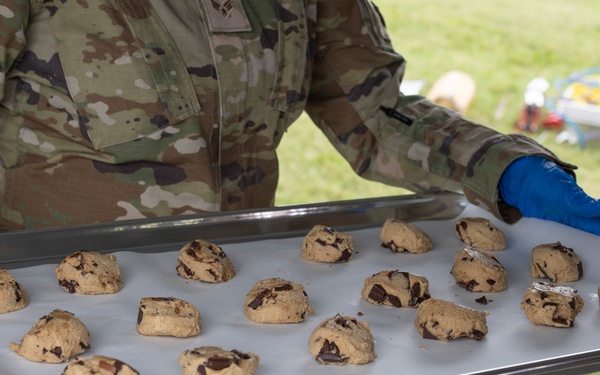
123	109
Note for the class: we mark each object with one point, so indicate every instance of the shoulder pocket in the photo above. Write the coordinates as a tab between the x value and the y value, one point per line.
292	56
375	24
123	71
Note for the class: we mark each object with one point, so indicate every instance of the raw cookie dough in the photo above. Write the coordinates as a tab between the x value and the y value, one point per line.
325	244
277	300
480	233
204	261
168	316
556	263
89	272
477	271
399	236
55	338
340	340
551	305
396	288
444	320
98	365
12	296
213	360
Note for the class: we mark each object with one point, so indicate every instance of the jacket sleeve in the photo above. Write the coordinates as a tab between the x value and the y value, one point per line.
400	140
14	15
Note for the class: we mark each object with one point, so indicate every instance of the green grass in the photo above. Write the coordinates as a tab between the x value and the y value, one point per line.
502	44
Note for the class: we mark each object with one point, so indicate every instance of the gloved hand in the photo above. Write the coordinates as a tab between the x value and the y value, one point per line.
539	188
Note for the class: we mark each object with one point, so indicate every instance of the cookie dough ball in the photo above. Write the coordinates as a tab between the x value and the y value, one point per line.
213	360
399	236
168	316
325	244
480	233
444	320
98	365
477	271
89	272
55	338
396	288
277	300
12	296
342	339
204	261
547	304
555	262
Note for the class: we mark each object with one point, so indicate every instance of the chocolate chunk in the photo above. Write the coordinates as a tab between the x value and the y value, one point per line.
185	268
377	293
140	314
256	302
69	286
330	353
57	351
428	335
346	254
394	300
482	300
201	370
218	363
414	294
284	287
477	335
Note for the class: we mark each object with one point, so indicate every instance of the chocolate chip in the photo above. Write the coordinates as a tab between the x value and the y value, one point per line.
482	300
477	335
563	321
186	269
258	300
218	363
428	335
346	254
191	252
330	353
283	287
377	294
415	291
243	356
57	351
469	285
491	281
201	370
69	286
344	322
572	304
18	292
140	314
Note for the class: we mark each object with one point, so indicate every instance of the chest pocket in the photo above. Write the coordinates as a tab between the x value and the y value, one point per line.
123	71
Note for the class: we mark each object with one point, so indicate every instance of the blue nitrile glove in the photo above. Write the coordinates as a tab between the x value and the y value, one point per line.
539	188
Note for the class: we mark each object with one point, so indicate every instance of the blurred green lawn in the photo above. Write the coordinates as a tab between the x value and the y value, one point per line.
502	44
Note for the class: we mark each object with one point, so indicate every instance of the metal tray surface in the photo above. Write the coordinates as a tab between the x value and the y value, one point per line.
22	248
267	243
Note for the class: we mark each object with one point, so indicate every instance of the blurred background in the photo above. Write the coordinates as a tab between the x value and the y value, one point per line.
503	45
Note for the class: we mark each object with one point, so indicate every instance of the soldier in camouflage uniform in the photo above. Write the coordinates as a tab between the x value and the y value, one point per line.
124	109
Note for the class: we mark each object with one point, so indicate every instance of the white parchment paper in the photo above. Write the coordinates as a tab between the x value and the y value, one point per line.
332	288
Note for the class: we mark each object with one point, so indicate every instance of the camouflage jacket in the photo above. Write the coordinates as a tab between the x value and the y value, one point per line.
122	109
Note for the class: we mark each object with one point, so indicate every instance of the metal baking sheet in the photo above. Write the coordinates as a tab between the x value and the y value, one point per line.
513	344
31	247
